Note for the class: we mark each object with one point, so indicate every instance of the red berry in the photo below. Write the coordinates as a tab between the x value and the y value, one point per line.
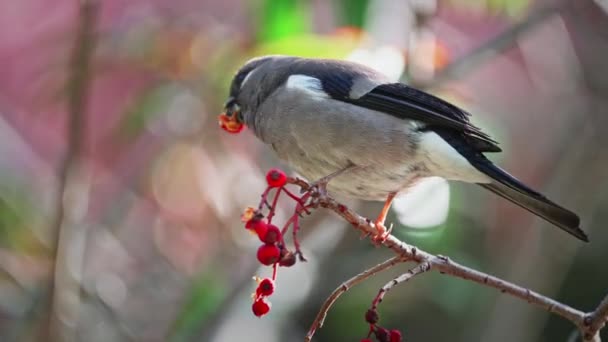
254	223
258	226
260	307
268	254
276	178
287	258
265	287
271	235
382	334
371	316
366	340
395	335
230	123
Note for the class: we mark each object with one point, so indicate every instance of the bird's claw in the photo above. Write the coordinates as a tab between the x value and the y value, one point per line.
319	187
381	233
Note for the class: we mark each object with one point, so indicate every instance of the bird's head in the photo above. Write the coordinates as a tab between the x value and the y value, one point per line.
245	91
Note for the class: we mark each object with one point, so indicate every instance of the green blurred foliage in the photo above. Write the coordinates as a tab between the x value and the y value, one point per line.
206	295
144	108
353	12
283	19
15	226
11	222
511	8
308	45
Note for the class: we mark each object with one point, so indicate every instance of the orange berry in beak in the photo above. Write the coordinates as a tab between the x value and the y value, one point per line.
230	124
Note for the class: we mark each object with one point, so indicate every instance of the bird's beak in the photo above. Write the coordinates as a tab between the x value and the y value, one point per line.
230	120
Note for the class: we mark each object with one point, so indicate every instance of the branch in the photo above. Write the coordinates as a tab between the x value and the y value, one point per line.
411	273
594	321
318	322
77	89
587	323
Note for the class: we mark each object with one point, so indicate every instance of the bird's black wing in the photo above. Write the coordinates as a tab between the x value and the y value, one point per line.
406	102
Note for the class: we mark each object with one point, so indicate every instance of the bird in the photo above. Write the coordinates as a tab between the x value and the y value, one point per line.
369	137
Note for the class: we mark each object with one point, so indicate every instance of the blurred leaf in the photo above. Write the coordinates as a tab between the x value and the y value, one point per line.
149	105
309	45
516	8
353	12
15	233
281	19
207	294
137	114
511	8
347	317
10	222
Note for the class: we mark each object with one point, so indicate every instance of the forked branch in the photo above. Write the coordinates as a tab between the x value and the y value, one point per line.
589	324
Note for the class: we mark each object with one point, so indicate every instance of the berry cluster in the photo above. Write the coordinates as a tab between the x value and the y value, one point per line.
261	306
273	251
381	334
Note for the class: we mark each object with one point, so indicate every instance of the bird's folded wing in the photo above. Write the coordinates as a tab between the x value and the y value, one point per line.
405	102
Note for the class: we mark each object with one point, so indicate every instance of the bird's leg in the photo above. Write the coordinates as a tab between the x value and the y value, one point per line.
317	190
320	185
381	231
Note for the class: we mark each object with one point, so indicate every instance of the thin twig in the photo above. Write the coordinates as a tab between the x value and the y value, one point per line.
273	208
412	272
318	322
447	266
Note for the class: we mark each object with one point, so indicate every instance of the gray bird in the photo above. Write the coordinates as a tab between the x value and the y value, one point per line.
378	138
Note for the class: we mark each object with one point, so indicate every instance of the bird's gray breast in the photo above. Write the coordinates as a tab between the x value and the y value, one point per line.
317	135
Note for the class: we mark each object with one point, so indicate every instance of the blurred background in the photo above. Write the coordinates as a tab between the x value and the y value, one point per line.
120	197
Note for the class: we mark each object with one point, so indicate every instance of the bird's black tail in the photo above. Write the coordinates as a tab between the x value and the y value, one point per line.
509	187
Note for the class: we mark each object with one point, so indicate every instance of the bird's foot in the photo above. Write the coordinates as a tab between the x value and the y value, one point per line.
381	233
319	187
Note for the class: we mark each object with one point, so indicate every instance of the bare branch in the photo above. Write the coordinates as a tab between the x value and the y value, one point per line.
318	322
77	89
589	324
447	266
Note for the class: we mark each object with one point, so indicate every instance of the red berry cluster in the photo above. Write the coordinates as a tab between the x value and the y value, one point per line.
273	251
381	334
261	306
